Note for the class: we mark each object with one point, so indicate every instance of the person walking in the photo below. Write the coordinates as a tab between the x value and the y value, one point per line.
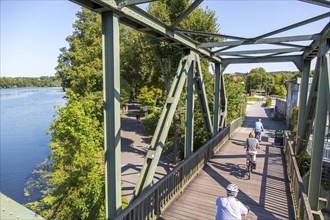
229	207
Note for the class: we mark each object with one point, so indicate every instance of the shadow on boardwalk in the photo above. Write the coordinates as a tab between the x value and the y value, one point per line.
266	193
134	145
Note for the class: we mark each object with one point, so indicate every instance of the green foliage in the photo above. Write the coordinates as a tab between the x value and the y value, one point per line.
75	183
80	65
150	123
43	81
294	117
149	97
268	102
234	93
273	84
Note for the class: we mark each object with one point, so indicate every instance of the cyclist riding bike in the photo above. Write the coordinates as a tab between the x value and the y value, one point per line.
258	128
251	145
229	207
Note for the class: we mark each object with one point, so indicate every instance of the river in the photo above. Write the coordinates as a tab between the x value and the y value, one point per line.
26	114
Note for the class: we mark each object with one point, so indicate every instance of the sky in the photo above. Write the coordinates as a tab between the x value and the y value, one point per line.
32	32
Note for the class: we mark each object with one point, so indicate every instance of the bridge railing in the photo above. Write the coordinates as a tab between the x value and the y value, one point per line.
302	207
151	203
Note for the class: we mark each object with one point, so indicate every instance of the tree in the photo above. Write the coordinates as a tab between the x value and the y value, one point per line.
234	93
73	177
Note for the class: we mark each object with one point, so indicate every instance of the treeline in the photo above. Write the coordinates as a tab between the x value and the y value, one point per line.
43	81
272	83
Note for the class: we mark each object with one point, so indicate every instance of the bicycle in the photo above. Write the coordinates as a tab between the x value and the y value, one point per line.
251	165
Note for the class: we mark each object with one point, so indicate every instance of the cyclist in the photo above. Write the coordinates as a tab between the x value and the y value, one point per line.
251	146
229	207
258	128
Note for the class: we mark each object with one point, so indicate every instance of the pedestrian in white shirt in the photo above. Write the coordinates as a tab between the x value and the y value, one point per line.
229	207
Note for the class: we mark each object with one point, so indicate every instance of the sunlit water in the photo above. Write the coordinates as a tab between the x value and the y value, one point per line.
26	114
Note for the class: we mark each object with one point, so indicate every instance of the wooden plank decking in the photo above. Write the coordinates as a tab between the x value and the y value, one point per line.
267	193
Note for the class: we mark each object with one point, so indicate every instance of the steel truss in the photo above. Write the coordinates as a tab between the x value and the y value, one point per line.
189	70
125	12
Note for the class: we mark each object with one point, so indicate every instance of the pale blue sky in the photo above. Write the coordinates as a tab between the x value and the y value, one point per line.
32	32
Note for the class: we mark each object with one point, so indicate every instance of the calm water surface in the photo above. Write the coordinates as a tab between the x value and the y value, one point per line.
26	113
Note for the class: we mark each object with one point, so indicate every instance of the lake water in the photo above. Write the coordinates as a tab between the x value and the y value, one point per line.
26	113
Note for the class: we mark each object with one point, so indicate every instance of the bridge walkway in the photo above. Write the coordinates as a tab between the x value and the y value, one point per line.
267	193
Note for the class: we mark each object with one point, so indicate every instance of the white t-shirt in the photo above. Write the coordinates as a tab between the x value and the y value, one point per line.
230	208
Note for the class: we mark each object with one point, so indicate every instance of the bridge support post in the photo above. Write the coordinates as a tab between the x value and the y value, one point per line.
220	107
303	95
112	145
189	124
319	129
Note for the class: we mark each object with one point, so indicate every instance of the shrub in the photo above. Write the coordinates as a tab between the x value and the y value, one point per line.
268	102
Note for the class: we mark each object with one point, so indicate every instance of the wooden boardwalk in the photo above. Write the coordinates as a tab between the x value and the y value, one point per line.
267	193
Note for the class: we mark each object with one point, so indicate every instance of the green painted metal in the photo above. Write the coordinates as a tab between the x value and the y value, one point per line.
123	3
303	94
189	123
318	136
310	111
324	3
327	55
298	24
312	50
111	74
201	93
216	110
262	41
296	59
163	126
223	102
12	210
220	100
285	50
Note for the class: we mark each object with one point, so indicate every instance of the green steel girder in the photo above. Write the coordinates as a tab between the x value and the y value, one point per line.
309	113
163	126
189	68
313	96
303	94
262	41
201	93
220	100
296	59
112	145
320	123
324	3
223	102
124	3
190	106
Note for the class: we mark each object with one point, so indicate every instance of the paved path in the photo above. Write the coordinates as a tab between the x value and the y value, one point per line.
266	193
134	145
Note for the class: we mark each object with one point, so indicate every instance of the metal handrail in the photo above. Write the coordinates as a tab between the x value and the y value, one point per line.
151	203
300	198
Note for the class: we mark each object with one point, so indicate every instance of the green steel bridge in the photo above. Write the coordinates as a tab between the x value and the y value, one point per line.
300	196
151	199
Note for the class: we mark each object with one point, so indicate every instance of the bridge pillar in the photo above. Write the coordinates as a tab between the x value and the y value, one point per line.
189	124
303	94
220	107
111	87
319	129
